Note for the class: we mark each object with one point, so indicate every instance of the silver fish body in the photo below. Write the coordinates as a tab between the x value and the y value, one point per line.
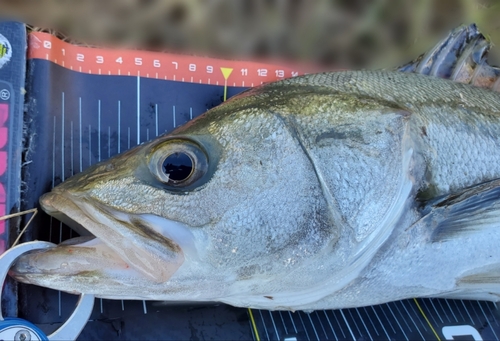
331	190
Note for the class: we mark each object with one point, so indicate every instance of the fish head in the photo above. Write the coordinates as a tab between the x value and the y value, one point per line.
216	208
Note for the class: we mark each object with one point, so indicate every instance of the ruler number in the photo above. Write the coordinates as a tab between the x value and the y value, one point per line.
465	330
99	59
192	67
80	57
295	73
138	61
176	65
280	73
210	69
262	72
47	44
244	72
119	60
156	63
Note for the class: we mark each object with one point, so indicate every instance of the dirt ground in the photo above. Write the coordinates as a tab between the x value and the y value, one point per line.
342	34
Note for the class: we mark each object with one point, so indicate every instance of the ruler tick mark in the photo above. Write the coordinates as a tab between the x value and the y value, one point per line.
90	145
338	323
364	325
314	328
487	320
331	326
173	114
109	142
264	324
437	313
416	314
274	324
381	324
347	324
138	109
395	319
293	322
354	322
412	320
62	137
443	309
119	127
72	162
99	130
449	306
387	318
156	119
303	325
283	321
320	323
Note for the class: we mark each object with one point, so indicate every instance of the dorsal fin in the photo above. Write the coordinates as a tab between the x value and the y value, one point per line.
461	57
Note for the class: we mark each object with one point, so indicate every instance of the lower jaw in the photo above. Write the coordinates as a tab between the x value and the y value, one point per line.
73	257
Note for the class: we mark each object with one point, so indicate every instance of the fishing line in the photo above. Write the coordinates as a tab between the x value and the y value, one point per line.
13	215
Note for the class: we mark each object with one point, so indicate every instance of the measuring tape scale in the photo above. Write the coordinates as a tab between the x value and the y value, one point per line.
154	65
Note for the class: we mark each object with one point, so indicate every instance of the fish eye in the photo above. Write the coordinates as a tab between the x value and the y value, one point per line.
178	163
178	166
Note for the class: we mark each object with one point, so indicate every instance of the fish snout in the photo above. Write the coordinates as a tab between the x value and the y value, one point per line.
47	202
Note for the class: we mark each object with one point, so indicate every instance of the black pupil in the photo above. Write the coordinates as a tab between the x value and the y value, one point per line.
178	166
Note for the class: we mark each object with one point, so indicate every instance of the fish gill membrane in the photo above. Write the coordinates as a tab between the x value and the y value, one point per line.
330	190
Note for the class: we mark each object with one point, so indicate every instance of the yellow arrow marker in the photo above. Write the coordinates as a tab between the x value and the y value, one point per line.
226	72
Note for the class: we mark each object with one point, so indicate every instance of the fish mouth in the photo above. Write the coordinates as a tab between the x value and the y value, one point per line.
115	241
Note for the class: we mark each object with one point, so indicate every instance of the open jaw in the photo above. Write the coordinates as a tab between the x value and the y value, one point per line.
141	245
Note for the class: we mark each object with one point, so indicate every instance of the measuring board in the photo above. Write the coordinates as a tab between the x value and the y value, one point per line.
85	105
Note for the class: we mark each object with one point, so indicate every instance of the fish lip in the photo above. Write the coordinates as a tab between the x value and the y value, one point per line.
152	254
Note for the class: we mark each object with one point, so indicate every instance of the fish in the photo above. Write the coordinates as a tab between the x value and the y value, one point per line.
331	190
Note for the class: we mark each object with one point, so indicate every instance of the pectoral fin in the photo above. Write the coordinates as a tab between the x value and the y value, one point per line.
475	208
479	284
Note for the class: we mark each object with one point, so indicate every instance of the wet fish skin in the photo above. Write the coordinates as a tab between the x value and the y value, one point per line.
322	191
